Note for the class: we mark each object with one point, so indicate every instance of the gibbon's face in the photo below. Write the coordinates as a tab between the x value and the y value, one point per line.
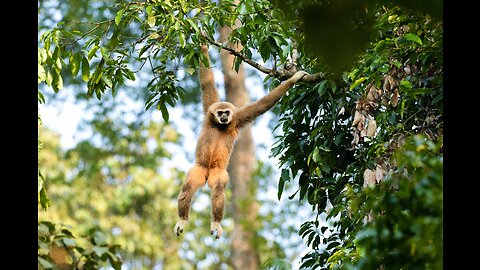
222	113
223	116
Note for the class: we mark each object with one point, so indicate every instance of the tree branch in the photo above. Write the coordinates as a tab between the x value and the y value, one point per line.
282	74
238	54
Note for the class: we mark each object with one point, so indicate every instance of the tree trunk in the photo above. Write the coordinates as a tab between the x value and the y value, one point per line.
241	167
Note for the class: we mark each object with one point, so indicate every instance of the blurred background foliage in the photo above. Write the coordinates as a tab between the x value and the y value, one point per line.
361	150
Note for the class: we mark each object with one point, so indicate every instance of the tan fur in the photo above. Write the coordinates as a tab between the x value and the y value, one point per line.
215	144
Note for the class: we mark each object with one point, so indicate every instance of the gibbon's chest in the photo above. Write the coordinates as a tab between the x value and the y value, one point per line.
215	146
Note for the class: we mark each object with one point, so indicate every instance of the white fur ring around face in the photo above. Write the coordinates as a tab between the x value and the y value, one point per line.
215	226
178	229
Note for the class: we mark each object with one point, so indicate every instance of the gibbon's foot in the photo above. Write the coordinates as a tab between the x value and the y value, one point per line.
178	229
216	226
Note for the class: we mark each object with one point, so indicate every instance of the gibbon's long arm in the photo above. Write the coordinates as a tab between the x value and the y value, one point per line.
207	82
251	111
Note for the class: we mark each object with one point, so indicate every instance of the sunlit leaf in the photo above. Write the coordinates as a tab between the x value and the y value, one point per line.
119	15
413	37
357	82
151	20
85	69
75	60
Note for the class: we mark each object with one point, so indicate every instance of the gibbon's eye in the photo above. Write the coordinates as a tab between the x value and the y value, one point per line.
219	113
227	113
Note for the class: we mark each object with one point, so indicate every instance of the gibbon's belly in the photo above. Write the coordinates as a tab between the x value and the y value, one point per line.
214	151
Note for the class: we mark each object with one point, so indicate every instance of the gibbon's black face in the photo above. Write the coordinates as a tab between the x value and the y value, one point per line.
223	116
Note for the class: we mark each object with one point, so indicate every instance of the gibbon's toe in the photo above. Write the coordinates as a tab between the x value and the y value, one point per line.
215	226
178	229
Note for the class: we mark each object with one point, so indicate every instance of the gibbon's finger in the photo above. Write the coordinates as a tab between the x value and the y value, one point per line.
298	76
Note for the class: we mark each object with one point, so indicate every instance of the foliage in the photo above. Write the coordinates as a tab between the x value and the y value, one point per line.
160	36
111	180
337	137
101	183
407	211
337	31
58	247
343	135
41	191
111	171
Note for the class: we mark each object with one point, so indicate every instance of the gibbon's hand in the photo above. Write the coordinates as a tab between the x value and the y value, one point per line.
298	76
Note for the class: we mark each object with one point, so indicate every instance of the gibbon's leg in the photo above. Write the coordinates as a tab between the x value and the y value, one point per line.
196	177
217	181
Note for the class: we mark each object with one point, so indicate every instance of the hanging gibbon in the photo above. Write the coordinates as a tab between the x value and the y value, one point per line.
221	124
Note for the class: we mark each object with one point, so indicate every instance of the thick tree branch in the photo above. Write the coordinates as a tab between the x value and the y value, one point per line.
282	74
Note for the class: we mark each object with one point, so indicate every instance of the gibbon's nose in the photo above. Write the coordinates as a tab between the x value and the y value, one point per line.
223	119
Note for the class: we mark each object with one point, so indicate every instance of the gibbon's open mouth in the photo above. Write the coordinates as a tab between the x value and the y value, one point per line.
224	120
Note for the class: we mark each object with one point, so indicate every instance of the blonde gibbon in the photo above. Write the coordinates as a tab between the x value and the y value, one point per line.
221	124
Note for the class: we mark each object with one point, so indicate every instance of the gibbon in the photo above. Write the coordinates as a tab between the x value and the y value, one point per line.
221	124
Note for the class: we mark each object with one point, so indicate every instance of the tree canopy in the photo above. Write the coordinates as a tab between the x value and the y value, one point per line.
359	140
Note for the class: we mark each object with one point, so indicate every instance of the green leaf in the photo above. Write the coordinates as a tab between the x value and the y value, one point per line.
41	73
151	20
285	176
321	87
85	69
44	200
114	261
119	15
104	52
57	81
279	39
149	9
405	85
190	70
42	55
69	242
44	263
41	100
325	167
332	245
181	37
163	109
193	25
100	250
99	238
107	81
92	52
316	157
48	78
357	82
413	37
75	59
56	59
129	74
237	63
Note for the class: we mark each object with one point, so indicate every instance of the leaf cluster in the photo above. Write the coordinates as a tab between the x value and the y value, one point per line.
338	139
58	247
